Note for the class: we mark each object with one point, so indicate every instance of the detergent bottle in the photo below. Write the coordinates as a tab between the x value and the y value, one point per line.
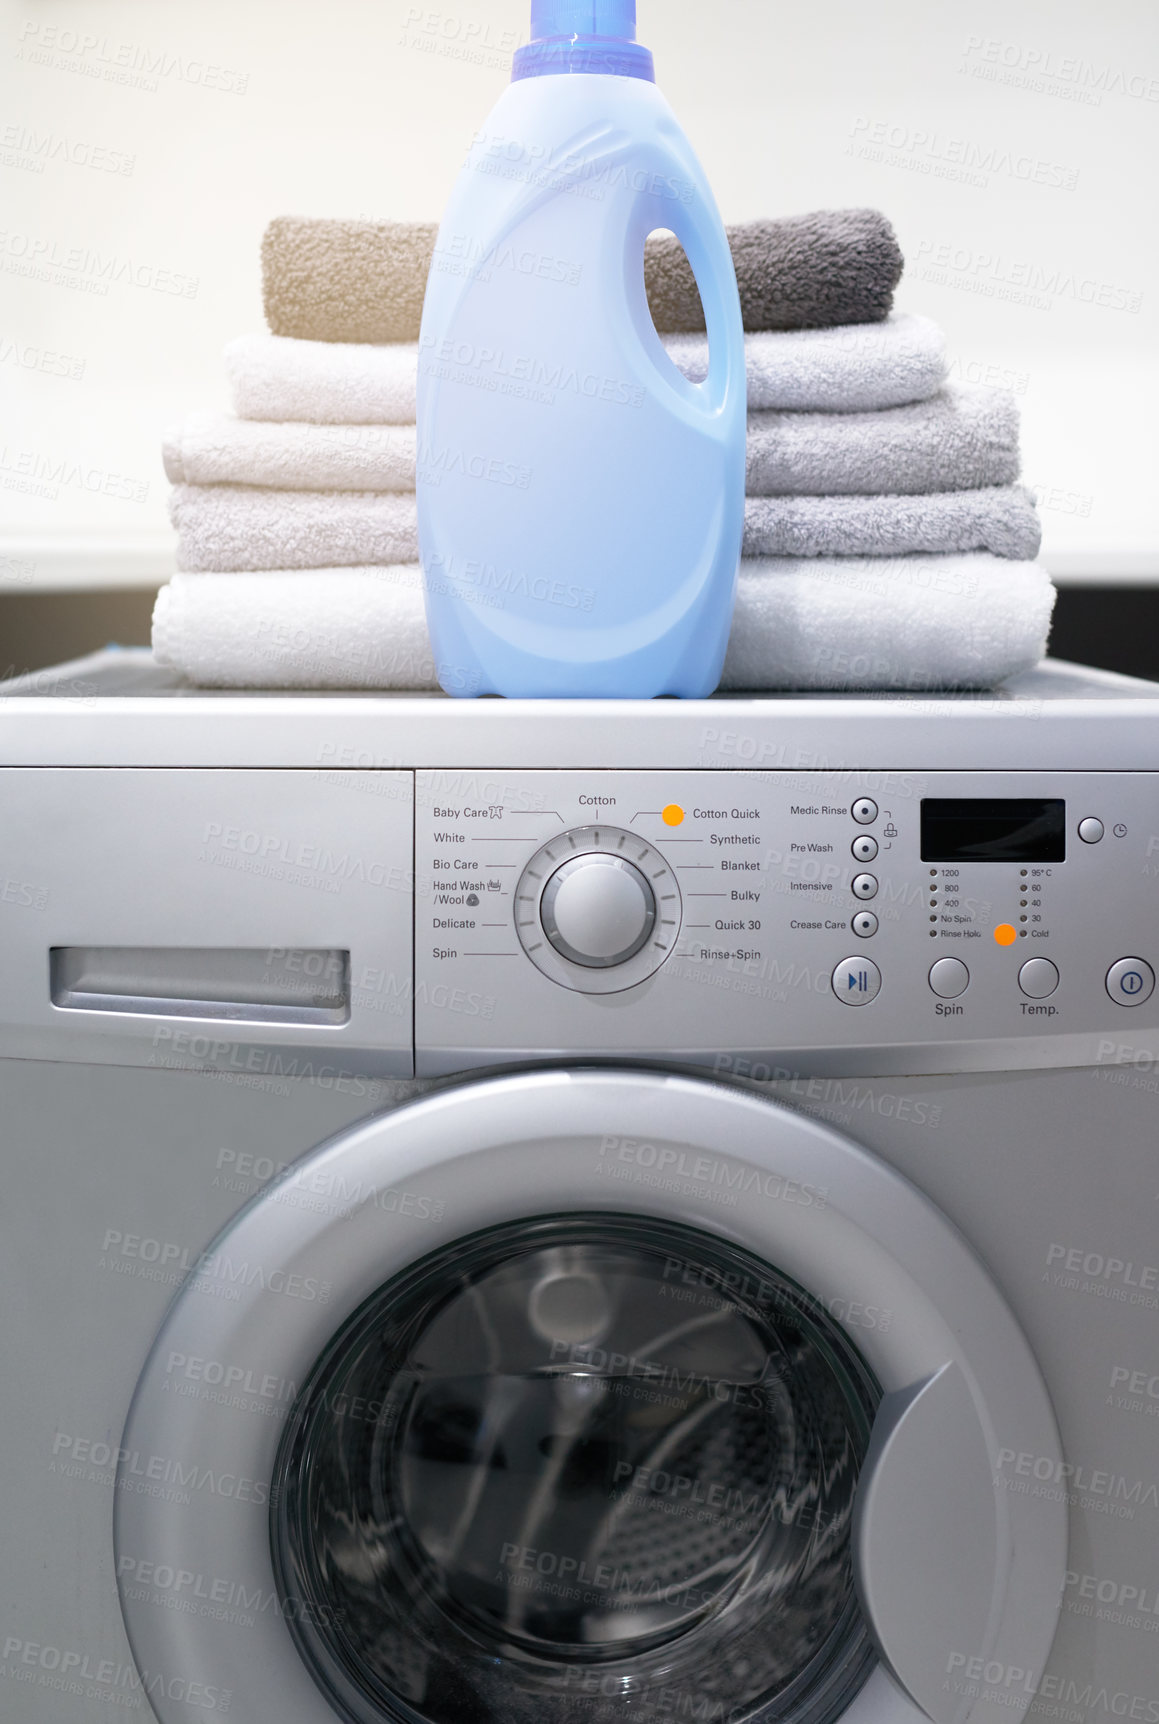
581	502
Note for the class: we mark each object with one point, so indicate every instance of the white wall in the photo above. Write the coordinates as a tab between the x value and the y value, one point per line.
364	107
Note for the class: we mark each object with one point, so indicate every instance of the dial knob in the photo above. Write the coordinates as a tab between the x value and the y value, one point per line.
598	910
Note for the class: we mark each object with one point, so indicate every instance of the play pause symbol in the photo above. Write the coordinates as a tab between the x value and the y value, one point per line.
857	981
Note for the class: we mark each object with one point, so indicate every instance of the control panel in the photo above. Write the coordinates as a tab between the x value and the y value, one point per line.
911	922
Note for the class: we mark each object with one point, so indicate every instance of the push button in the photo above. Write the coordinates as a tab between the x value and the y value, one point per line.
1038	979
856	981
1091	830
864	924
865	811
865	848
1130	982
865	886
949	978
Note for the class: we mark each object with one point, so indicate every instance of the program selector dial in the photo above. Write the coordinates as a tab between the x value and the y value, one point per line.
597	909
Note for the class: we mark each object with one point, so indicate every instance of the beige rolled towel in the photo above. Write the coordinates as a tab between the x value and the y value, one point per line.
365	281
346	280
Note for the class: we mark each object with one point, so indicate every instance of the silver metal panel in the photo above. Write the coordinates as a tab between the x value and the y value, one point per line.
1059	717
114	1181
280	863
765	868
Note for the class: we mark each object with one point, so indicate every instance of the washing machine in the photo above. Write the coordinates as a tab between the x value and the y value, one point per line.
578	1213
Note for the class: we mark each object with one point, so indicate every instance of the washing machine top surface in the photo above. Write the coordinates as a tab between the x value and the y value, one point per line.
119	707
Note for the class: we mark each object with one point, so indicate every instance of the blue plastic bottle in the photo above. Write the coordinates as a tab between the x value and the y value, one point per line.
581	504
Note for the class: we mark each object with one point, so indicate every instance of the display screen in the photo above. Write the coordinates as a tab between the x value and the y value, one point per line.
993	829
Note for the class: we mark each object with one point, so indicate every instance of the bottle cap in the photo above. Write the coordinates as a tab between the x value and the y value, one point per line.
583	36
583	18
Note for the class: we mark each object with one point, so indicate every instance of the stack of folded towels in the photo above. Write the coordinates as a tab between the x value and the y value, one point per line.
887	544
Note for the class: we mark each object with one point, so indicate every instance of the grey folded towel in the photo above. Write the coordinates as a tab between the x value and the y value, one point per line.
226	528
1001	520
802	272
962	438
365	281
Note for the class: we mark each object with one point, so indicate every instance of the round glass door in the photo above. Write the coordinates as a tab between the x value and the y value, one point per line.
579	1467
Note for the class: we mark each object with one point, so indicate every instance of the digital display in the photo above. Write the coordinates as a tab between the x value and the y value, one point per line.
993	829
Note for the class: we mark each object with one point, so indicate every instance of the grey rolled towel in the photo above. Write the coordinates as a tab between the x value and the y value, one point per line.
998	519
801	272
365	281
962	438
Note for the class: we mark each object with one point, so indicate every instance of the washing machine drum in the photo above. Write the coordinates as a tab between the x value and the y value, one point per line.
600	1396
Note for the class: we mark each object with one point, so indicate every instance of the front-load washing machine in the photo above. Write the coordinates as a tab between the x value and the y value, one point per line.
560	1212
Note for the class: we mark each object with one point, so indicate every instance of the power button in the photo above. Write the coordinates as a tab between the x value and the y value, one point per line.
1130	982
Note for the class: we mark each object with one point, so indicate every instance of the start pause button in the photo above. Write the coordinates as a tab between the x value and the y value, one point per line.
857	981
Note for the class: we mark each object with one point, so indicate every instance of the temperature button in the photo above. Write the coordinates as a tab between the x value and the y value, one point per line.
1130	982
1038	978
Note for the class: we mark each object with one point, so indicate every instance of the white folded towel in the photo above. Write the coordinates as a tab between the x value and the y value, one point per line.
858	367
234	527
217	449
329	382
325	628
855	368
925	623
913	623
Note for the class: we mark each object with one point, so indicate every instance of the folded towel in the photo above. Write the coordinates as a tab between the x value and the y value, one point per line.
328	382
1001	520
962	438
330	628
224	527
346	280
216	449
802	272
365	281
857	368
912	623
228	527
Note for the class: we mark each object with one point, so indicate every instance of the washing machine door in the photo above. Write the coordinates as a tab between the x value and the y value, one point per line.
587	1395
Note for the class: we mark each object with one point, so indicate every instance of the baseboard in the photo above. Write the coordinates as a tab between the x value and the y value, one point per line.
34	565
